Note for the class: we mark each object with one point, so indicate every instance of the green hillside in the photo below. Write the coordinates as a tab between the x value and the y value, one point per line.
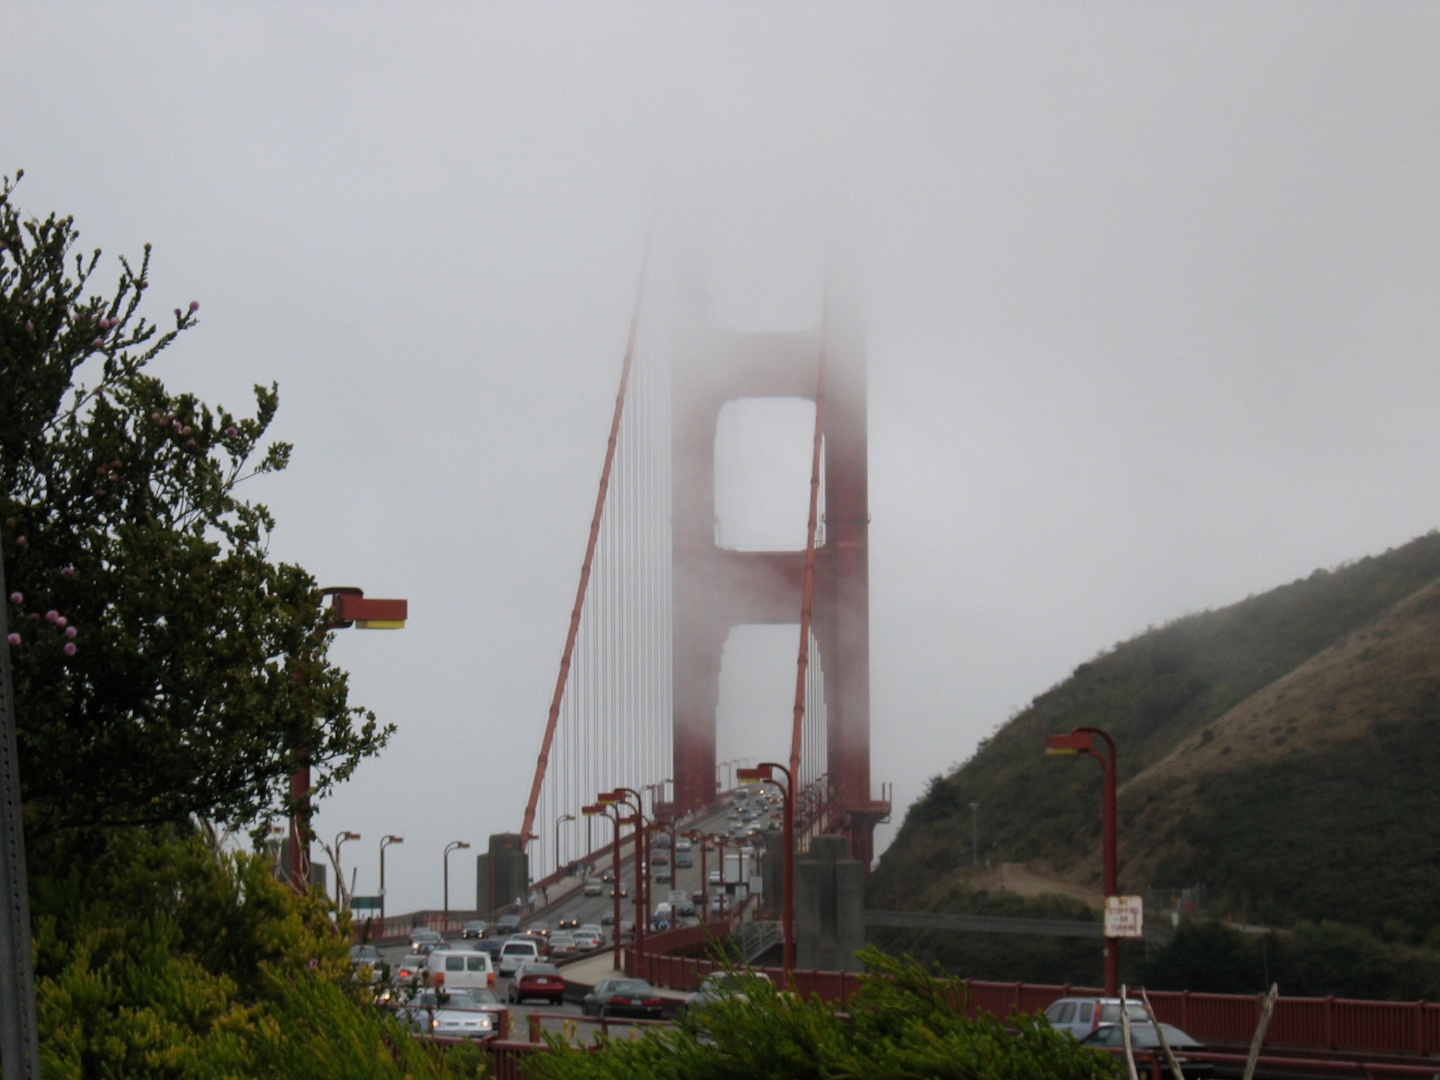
1279	752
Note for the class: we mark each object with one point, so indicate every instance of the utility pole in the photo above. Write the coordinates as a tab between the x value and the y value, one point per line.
19	1038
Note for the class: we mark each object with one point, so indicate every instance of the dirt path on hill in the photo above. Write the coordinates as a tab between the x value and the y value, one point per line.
1023	881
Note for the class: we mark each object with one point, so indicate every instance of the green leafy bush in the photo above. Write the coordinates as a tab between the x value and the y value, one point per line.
903	1023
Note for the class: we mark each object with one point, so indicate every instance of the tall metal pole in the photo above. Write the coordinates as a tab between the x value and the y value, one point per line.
452	846
384	840
1112	886
558	822
19	1037
340	838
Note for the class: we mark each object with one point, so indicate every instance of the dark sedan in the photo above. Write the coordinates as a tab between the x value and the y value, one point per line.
623	997
1144	1038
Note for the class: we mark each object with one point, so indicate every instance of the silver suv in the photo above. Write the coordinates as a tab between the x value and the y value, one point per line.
1082	1015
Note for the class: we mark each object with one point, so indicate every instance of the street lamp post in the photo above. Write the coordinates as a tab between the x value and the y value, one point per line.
349	606
384	842
1082	740
454	845
340	839
695	836
766	770
599	807
642	862
558	822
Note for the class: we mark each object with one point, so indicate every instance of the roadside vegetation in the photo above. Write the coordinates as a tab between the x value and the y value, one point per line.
1277	753
903	1023
167	677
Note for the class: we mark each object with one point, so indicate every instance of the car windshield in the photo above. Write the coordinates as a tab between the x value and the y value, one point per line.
540	969
631	986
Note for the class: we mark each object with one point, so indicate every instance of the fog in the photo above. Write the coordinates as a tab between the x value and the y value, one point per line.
1149	296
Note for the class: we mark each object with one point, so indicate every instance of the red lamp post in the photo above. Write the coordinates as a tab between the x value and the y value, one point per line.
642	882
1082	740
348	607
602	807
766	771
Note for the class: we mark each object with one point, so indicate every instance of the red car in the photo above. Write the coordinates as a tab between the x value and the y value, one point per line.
536	980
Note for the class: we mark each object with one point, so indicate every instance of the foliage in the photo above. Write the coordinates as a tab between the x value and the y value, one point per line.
1276	840
163	957
903	1022
164	666
1317	959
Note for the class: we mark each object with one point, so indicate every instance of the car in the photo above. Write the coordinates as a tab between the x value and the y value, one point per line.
594	888
569	921
620	891
475	928
589	940
508	923
461	969
407	971
562	943
366	963
725	985
608	876
542	941
423	934
466	1014
491	945
1082	1015
518	951
623	997
682	844
608	919
536	980
662	875
714	877
1111	1039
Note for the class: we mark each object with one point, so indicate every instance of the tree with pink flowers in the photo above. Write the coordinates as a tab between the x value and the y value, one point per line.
165	666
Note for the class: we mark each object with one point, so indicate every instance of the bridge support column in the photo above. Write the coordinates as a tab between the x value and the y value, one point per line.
502	873
829	906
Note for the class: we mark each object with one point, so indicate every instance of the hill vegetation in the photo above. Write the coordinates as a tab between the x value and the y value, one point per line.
1277	753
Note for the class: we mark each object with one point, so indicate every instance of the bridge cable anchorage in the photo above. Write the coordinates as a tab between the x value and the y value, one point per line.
808	593
547	740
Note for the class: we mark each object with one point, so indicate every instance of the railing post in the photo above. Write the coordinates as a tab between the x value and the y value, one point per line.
534	1022
1330	1022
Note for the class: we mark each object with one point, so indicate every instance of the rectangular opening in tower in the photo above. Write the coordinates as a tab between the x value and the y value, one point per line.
763	454
755	715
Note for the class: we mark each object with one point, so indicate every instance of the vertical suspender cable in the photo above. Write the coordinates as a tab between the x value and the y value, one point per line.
541	763
808	593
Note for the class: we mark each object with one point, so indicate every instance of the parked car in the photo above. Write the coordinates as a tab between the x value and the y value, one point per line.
1082	1015
472	1014
475	928
1111	1039
536	980
623	997
518	951
723	985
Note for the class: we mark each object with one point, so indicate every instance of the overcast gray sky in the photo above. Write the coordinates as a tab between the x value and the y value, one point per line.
1150	290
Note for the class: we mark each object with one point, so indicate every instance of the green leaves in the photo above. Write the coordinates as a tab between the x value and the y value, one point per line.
903	1024
195	673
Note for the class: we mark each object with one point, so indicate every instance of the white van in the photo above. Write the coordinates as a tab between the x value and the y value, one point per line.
516	952
461	969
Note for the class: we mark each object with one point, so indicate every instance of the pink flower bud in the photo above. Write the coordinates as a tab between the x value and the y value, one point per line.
20	541
29	327
71	632
69	649
177	312
14	639
231	432
67	571
98	342
51	615
189	444
177	425
60	621
194	305
17	598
